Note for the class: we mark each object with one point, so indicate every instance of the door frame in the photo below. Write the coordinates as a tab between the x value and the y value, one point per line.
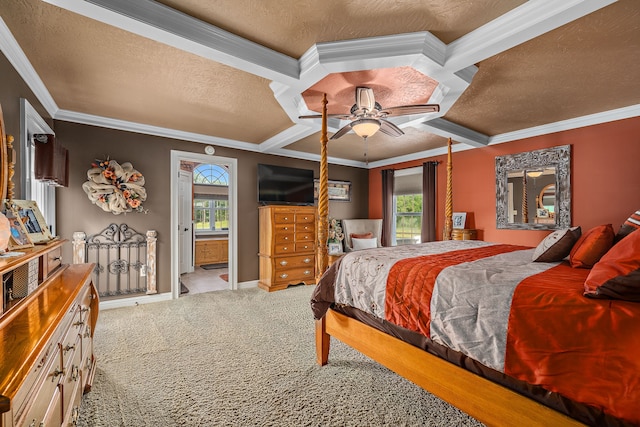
232	164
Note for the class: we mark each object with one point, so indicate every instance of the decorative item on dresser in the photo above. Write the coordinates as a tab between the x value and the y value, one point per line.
46	340
287	246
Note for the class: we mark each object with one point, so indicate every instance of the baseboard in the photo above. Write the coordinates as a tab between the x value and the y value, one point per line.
248	285
127	302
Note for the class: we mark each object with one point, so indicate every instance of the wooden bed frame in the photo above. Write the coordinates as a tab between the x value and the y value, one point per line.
484	400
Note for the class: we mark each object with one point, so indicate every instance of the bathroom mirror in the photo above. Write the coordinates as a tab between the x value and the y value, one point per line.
533	189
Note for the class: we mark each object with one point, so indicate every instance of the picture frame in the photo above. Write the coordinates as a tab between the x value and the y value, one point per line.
34	223
338	190
334	248
19	237
542	213
459	220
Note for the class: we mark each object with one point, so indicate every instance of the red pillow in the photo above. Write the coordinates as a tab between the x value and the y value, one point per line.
617	274
591	246
368	235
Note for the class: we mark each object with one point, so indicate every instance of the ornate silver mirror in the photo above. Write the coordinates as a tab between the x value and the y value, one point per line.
533	189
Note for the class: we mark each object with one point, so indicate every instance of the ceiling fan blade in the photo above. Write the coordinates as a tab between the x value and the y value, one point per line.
331	116
365	98
404	110
344	130
390	129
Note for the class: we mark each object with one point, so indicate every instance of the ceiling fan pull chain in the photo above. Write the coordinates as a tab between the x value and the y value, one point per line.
366	159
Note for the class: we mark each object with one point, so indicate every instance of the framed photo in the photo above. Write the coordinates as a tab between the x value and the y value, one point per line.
335	248
459	219
19	237
34	223
338	190
542	213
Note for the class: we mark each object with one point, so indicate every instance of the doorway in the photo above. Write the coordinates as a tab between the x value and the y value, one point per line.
183	235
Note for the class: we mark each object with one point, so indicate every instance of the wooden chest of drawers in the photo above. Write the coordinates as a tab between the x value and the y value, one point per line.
212	251
287	246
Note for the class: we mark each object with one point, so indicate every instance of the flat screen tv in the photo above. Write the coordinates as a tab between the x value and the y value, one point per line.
284	185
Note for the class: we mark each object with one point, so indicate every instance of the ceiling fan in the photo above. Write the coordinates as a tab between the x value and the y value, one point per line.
367	116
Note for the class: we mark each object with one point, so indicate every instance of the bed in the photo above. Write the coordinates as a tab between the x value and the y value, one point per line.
507	340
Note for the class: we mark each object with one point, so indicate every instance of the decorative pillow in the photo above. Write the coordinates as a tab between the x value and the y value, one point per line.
557	245
617	274
591	246
364	243
631	224
361	235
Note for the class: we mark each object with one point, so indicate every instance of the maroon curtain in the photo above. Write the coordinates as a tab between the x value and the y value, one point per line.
428	233
387	207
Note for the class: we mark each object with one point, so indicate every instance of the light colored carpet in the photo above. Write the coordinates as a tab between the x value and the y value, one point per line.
242	358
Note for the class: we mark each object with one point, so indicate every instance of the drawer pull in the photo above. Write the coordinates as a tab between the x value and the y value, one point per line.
286	218
69	347
285	248
87	332
84	309
75	415
286	238
306	237
307	272
55	374
75	373
283	263
57	258
286	228
284	275
307	260
78	323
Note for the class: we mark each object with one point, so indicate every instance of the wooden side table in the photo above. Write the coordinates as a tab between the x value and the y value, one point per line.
334	257
464	234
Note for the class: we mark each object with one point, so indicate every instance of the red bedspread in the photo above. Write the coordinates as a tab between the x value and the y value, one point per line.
585	349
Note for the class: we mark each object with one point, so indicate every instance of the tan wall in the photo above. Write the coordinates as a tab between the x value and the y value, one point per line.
151	156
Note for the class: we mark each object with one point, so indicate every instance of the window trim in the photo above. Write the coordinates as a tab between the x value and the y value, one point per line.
45	195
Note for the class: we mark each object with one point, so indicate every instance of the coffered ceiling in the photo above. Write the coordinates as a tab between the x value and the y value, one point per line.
238	73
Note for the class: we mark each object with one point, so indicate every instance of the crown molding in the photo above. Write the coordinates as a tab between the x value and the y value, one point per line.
12	50
564	125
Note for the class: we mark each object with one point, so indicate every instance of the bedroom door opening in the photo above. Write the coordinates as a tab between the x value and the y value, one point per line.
204	216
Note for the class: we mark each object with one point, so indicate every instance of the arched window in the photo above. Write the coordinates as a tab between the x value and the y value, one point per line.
211	198
211	175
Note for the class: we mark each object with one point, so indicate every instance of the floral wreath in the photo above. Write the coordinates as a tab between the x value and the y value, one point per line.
115	188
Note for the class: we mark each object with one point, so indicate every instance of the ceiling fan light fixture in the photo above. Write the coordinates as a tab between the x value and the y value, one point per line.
535	173
365	127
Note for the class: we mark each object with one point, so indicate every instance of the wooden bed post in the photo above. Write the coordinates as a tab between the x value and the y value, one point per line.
448	205
323	340
323	198
525	207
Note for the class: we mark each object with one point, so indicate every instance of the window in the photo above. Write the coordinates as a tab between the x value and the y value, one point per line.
211	214
40	191
407	206
211	200
408	218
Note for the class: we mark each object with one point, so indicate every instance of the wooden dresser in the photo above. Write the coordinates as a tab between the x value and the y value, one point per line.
287	246
46	342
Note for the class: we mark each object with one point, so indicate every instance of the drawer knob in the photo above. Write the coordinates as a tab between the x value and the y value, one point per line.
283	263
307	272
78	323
57	258
75	373
285	248
284	275
286	218
307	260
286	238
69	347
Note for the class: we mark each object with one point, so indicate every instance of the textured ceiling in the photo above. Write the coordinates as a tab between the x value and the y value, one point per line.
242	71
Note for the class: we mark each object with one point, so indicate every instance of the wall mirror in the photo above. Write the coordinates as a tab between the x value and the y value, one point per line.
533	189
4	162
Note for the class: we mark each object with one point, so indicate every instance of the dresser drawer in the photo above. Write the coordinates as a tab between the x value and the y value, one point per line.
306	228
284	237
284	218
305	246
294	262
50	262
284	248
295	275
305	237
305	218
